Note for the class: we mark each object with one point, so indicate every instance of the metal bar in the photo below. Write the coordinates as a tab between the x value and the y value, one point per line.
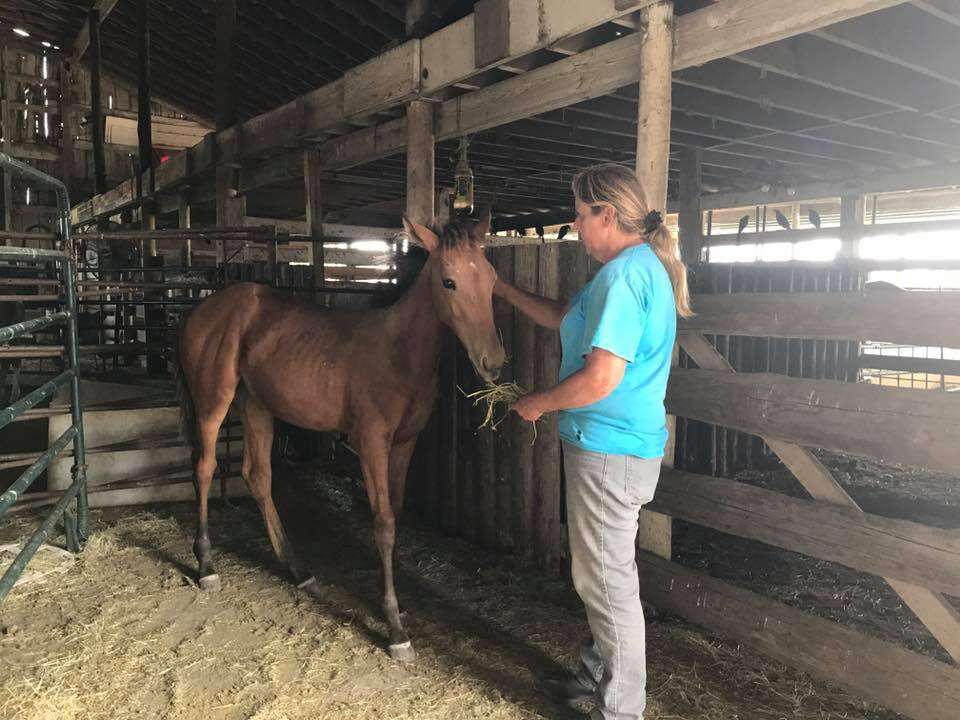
23	328
10	413
73	343
11	235
30	548
30	298
28	254
33	472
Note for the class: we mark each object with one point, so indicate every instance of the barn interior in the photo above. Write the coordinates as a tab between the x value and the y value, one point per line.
806	532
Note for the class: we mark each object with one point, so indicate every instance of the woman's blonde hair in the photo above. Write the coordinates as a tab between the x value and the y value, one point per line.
617	187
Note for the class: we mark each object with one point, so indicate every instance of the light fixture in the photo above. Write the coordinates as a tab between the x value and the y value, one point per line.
45	43
56	47
21	32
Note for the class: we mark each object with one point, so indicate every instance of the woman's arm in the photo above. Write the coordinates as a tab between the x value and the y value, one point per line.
543	311
598	378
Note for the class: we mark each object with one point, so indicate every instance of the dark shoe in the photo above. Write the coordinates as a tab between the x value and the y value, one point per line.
572	692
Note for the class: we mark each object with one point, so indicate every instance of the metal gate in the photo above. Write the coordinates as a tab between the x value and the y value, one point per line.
75	525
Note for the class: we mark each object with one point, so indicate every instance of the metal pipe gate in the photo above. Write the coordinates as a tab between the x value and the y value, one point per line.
75	526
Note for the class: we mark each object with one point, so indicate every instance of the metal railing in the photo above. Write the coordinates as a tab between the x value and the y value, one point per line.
76	527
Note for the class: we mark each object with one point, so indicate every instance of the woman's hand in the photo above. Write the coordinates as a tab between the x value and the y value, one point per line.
528	407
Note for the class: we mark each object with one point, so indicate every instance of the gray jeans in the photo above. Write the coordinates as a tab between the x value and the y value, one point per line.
604	497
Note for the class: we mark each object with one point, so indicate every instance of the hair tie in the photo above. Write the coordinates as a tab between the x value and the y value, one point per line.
652	221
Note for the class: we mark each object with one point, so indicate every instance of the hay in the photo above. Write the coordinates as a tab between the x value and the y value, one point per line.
493	395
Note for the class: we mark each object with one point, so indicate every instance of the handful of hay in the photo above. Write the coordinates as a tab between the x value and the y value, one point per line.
494	395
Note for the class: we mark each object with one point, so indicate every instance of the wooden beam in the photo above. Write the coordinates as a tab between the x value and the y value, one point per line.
851	216
654	59
909	318
84	38
911	427
711	33
444	58
934	176
916	686
226	64
910	551
848	233
420	162
417	17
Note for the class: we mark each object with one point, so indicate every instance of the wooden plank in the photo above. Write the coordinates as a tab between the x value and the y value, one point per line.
225	71
546	451
449	421
906	682
467	506
918	365
910	318
912	427
524	367
912	552
503	316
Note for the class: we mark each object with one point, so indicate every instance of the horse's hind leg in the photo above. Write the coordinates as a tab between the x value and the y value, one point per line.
257	444
205	464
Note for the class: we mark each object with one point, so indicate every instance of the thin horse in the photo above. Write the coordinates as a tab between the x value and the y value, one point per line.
370	374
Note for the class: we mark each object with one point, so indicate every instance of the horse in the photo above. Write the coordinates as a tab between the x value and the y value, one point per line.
370	374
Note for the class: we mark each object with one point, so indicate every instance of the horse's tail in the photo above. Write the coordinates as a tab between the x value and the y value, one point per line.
188	411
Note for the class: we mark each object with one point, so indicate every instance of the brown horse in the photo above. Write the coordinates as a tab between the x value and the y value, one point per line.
370	374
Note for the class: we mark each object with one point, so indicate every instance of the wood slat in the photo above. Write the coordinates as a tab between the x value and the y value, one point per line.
881	672
503	262
913	427
909	551
524	367
910	318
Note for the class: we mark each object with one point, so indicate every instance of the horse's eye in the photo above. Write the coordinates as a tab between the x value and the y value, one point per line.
449	284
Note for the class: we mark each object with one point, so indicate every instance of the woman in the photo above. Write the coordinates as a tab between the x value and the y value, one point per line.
617	335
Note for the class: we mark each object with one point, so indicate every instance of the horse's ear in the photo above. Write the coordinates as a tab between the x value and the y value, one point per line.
421	235
482	228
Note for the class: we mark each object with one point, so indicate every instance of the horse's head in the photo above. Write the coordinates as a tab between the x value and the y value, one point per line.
462	284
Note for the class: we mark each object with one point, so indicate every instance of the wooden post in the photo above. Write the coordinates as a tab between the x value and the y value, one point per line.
653	159
183	221
851	214
226	77
96	105
231	207
144	129
690	215
314	201
420	162
6	133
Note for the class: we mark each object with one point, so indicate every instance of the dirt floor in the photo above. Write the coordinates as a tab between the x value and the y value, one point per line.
124	632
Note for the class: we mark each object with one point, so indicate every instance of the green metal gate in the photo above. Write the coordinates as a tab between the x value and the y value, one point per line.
75	523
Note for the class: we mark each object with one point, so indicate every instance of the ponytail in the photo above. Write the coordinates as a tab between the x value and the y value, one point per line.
617	186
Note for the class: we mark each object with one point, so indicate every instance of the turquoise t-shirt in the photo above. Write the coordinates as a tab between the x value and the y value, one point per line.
628	309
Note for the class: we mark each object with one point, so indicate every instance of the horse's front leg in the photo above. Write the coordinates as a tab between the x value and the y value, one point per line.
378	459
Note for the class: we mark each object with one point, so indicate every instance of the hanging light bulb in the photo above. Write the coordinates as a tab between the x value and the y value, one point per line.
463	183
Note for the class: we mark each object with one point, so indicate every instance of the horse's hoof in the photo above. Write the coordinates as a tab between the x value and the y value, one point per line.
403	652
311	586
210	583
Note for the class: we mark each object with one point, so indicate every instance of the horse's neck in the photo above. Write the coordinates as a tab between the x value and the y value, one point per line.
413	323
